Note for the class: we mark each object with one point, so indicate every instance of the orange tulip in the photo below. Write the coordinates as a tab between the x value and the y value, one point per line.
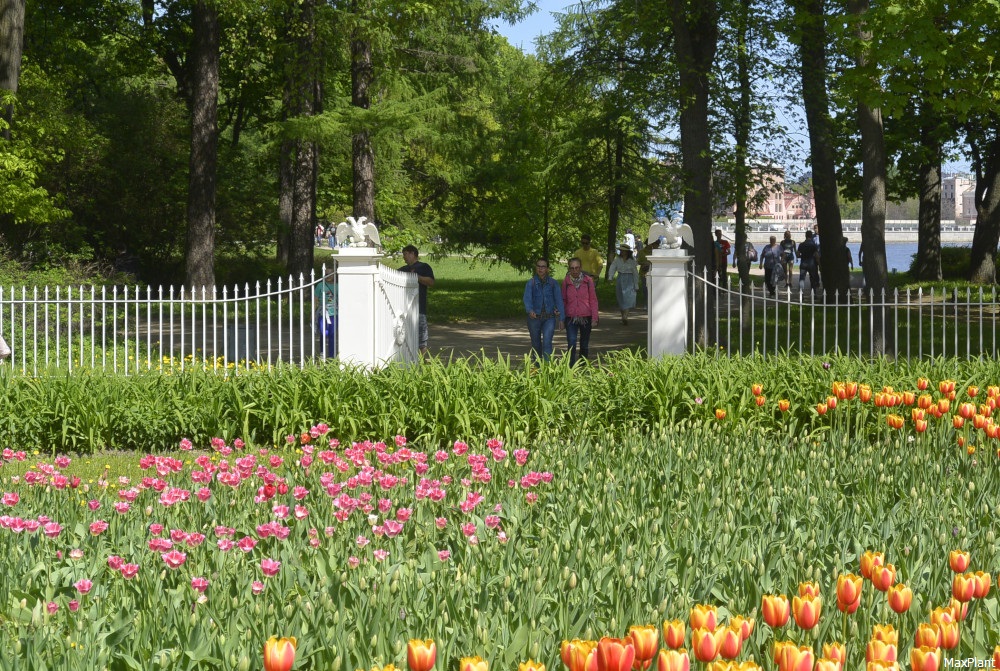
900	598
530	665
421	655
925	401
279	653
880	651
909	398
615	654
996	657
756	389
885	633
476	663
759	400
946	386
775	609
894	421
730	641
705	644
827	664
673	634
943	615
864	393
957	422
870	560
784	404
972	391
979	421
579	655
963	586
806	610
922	383
821	408
851	389
704	617
957	609
927	635
720	414
646	641
673	660
879	665
796	658
831	402
967	410
917	413
944	405
809	589
949	635
848	608
837	651
920	425
849	588
779	650
982	584
925	658
745	625
883	577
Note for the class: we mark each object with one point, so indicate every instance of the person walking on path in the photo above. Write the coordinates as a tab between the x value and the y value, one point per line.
788	257
580	300
627	281
589	257
425	279
721	248
808	254
543	302
770	258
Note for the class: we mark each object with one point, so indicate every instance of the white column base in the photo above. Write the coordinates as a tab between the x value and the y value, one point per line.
357	270
668	314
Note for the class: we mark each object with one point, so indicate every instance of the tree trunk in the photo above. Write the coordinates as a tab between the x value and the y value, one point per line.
616	196
11	46
286	199
810	20
363	154
204	145
987	235
929	215
305	87
742	136
696	35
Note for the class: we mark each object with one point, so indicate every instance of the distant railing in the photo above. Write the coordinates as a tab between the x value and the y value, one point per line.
132	328
901	324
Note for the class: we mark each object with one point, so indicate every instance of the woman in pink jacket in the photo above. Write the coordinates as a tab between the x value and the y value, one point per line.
580	303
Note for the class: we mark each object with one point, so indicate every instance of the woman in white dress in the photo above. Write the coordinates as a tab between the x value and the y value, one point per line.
627	280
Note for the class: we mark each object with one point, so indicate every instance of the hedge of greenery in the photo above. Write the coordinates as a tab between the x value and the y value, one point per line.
433	403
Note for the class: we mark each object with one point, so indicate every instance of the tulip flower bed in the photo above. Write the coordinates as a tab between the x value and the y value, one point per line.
781	536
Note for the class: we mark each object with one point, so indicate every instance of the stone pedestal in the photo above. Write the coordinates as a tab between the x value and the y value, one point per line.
668	314
357	271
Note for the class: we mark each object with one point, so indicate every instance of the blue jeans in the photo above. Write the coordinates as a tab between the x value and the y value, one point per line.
541	331
573	332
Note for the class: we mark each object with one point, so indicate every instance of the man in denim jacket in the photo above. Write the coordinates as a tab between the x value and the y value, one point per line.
544	304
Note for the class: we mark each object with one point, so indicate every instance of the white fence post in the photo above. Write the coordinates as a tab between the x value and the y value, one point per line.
668	311
357	272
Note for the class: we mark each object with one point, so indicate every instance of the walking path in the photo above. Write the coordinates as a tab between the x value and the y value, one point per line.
509	337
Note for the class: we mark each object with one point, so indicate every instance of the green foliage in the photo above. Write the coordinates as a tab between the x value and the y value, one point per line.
955	264
433	403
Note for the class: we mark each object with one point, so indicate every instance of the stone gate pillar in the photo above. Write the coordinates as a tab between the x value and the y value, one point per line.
668	310
357	272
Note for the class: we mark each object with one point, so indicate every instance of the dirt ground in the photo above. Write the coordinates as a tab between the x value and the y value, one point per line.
509	337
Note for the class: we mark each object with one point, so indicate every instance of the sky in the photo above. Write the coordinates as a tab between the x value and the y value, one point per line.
541	22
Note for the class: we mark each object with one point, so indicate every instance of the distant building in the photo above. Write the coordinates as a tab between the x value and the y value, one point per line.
958	197
779	203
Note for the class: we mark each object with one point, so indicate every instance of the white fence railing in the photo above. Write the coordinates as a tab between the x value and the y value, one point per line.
902	324
132	329
397	314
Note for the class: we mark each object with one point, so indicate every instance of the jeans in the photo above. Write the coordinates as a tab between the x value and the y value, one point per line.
573	332
813	272
541	331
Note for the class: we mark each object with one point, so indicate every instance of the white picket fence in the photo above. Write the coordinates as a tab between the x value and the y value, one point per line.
229	329
901	324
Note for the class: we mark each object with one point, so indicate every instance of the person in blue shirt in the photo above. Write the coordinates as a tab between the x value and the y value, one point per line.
544	304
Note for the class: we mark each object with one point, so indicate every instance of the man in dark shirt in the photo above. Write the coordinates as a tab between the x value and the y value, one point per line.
808	253
425	278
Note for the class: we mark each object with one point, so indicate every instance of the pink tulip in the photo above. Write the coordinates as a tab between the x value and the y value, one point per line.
52	607
269	566
98	527
174	558
74	605
444	555
256	587
93	504
115	562
199	584
129	571
11	498
83	586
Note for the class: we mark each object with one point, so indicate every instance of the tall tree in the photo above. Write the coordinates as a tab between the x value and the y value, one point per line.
204	105
362	74
810	36
11	45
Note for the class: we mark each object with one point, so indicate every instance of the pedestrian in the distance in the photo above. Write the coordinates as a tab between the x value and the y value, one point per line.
627	281
770	258
544	304
425	279
580	300
808	254
787	257
591	259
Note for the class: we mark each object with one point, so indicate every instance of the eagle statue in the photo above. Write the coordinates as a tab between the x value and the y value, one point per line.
358	233
673	234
